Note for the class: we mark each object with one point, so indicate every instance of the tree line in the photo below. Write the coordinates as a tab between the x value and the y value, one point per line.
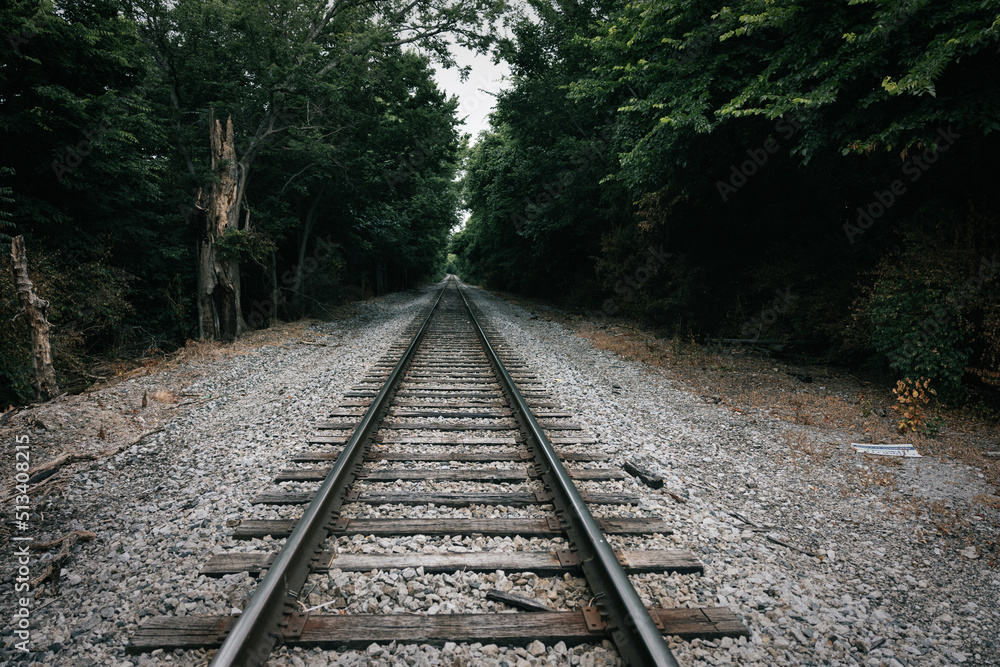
197	168
762	170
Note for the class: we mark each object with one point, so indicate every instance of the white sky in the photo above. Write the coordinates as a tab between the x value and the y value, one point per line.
475	94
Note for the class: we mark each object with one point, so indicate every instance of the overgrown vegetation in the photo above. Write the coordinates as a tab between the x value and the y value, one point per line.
912	399
763	170
347	151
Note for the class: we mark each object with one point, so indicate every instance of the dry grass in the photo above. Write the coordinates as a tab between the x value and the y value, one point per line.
833	400
163	396
197	351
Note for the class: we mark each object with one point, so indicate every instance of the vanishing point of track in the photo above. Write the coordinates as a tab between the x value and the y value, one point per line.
449	390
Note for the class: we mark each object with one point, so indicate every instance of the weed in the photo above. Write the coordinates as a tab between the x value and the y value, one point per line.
911	399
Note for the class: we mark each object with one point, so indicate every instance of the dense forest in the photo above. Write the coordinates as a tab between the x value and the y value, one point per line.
821	172
196	168
825	172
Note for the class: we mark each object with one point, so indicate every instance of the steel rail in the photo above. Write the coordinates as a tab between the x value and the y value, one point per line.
635	634
257	629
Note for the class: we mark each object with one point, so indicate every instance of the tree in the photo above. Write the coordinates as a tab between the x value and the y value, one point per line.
762	146
538	211
348	186
35	310
856	77
270	62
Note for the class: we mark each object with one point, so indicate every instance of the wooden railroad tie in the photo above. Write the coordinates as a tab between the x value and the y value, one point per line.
360	630
495	527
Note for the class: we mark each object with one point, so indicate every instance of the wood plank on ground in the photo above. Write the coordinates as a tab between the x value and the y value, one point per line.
482	402
456	395
446	439
456	388
475	457
327	439
503	425
449	378
453	414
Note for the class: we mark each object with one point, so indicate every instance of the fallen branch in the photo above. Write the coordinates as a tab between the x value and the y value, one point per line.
791	546
741	518
46	470
677	498
66	541
42	488
517	601
701	486
52	568
45	473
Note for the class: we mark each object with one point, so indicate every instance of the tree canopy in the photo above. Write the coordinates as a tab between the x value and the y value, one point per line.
197	167
692	164
344	152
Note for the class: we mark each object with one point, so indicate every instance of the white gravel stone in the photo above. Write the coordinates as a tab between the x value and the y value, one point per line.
879	595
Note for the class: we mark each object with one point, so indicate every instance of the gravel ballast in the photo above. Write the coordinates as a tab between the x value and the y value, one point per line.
874	588
881	590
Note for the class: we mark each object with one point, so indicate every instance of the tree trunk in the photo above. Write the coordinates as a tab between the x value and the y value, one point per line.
300	271
380	277
36	310
219	314
275	293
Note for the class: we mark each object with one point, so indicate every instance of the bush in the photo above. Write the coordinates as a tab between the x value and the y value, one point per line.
912	398
88	310
15	344
918	331
933	306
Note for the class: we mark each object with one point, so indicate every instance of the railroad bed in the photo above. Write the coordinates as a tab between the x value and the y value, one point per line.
449	404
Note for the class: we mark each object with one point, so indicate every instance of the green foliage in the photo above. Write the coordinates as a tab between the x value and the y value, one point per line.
748	141
859	77
103	115
244	244
918	334
933	303
533	184
382	190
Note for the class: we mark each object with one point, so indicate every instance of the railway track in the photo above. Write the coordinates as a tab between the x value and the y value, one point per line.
451	404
